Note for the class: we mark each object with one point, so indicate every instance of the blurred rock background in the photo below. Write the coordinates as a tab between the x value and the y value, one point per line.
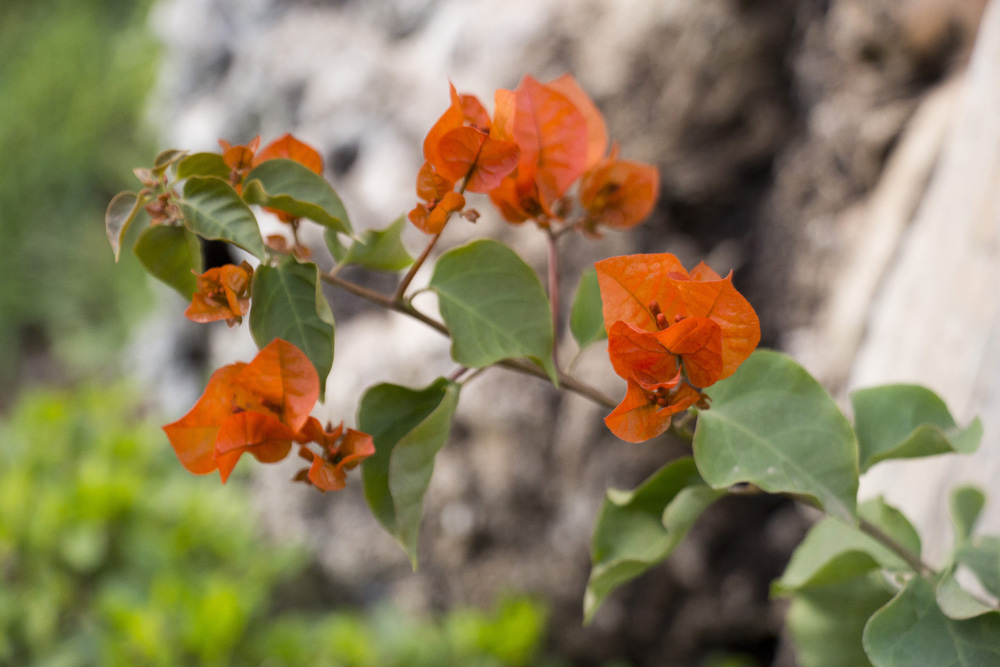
795	141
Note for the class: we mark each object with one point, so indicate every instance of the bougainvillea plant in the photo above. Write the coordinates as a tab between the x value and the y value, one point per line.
683	342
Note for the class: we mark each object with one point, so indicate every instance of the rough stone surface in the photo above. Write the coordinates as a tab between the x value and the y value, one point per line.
772	122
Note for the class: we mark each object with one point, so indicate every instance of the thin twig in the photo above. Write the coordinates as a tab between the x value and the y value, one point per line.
553	275
876	533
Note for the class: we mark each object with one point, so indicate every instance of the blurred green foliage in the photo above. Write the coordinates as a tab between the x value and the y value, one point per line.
111	554
74	77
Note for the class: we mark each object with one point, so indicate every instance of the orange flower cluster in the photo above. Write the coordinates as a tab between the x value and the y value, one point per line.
670	334
223	293
262	408
542	139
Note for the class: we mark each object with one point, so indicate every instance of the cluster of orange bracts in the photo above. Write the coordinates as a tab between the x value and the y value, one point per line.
670	334
263	408
541	140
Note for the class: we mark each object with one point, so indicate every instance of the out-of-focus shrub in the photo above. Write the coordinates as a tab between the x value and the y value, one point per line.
111	554
74	78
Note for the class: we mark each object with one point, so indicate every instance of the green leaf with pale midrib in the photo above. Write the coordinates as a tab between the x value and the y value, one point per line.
911	630
203	164
494	306
287	303
771	424
213	210
292	187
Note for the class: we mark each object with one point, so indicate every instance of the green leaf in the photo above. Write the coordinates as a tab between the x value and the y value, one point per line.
771	424
907	421
288	303
912	630
834	552
983	558
955	602
213	210
121	212
966	504
203	164
292	187
637	529
165	159
171	254
494	306
380	250
586	320
409	427
826	622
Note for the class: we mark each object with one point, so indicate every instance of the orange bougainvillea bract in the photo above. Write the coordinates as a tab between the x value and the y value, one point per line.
260	407
440	201
670	334
222	293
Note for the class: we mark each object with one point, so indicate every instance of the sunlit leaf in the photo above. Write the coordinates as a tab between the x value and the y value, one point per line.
380	250
120	214
288	303
912	630
494	306
637	529
213	210
921	425
165	159
293	188
585	319
771	424
170	254
408	427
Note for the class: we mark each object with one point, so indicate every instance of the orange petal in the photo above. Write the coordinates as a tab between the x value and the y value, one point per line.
631	282
287	146
597	131
449	120
551	133
326	476
637	419
619	193
432	186
193	435
356	447
262	435
719	301
280	380
698	340
503	115
639	355
313	432
468	153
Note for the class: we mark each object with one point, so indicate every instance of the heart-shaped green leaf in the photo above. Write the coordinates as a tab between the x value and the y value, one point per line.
289	186
379	250
171	254
771	424
203	164
637	529
213	210
494	306
907	421
912	630
409	427
288	303
983	557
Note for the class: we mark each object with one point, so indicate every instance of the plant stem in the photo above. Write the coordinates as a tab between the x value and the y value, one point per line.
554	292
408	278
876	533
519	365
